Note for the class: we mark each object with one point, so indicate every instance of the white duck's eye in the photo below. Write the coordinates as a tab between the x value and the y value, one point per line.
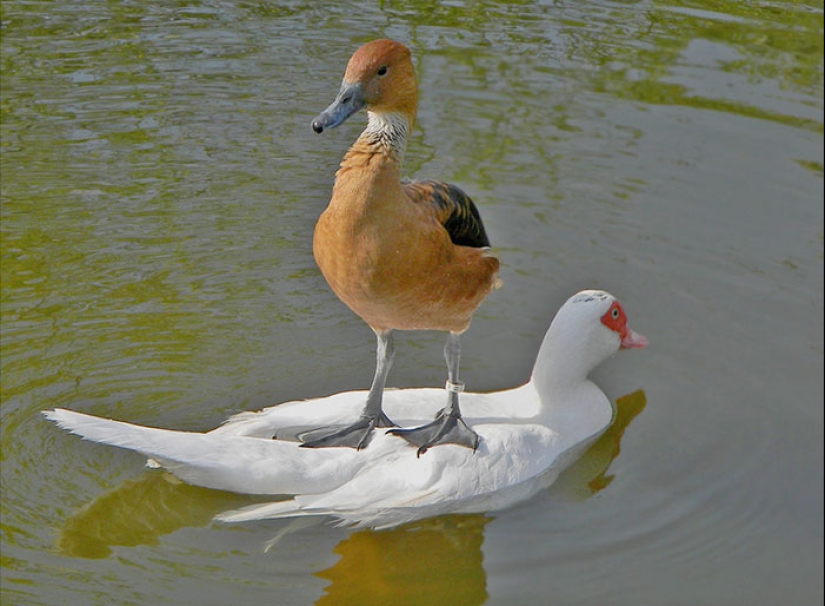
382	71
615	313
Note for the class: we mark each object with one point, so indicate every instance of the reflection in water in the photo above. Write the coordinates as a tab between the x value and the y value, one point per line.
138	512
435	557
593	466
608	447
435	561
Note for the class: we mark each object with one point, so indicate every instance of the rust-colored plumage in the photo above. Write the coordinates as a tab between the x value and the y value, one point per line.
401	255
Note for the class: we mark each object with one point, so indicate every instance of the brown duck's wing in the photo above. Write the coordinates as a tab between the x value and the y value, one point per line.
453	209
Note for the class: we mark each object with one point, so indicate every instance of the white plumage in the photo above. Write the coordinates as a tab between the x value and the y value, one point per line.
529	434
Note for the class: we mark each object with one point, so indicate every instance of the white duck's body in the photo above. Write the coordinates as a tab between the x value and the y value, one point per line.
528	436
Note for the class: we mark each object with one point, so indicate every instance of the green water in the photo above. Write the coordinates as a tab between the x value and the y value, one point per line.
160	183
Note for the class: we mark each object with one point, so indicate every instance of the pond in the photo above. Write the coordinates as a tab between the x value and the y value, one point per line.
160	184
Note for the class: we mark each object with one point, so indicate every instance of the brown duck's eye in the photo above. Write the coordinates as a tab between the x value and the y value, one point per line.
382	70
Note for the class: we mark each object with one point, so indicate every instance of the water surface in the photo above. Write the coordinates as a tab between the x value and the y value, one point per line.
160	183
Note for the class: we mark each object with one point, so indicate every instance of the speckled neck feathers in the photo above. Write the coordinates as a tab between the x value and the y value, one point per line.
384	138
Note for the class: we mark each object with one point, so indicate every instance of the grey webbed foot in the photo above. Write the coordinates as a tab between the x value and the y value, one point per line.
356	436
447	428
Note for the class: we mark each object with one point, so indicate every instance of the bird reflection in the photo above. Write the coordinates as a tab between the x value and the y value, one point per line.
433	561
438	558
139	512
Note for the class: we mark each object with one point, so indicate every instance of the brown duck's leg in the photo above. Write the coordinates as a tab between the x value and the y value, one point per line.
448	426
358	434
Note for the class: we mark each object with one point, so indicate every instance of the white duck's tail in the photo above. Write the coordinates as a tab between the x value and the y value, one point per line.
144	440
244	464
180	452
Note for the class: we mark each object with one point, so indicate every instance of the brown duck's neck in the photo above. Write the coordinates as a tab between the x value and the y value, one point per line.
373	163
386	134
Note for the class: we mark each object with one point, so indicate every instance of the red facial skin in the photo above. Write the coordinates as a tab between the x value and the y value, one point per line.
616	321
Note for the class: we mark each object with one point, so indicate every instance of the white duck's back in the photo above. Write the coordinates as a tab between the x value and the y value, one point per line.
410	406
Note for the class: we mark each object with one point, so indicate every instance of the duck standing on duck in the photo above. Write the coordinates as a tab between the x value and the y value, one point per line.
401	255
530	434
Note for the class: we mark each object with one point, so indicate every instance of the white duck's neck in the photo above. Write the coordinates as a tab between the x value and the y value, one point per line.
565	359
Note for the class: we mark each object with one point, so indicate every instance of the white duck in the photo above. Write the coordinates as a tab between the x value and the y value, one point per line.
529	434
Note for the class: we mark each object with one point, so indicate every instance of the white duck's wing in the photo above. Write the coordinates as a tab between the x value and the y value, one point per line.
225	462
289	418
408	407
400	487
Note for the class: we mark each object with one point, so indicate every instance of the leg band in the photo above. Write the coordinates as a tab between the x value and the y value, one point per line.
455	387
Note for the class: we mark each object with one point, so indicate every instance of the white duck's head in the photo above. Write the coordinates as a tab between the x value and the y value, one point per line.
589	328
